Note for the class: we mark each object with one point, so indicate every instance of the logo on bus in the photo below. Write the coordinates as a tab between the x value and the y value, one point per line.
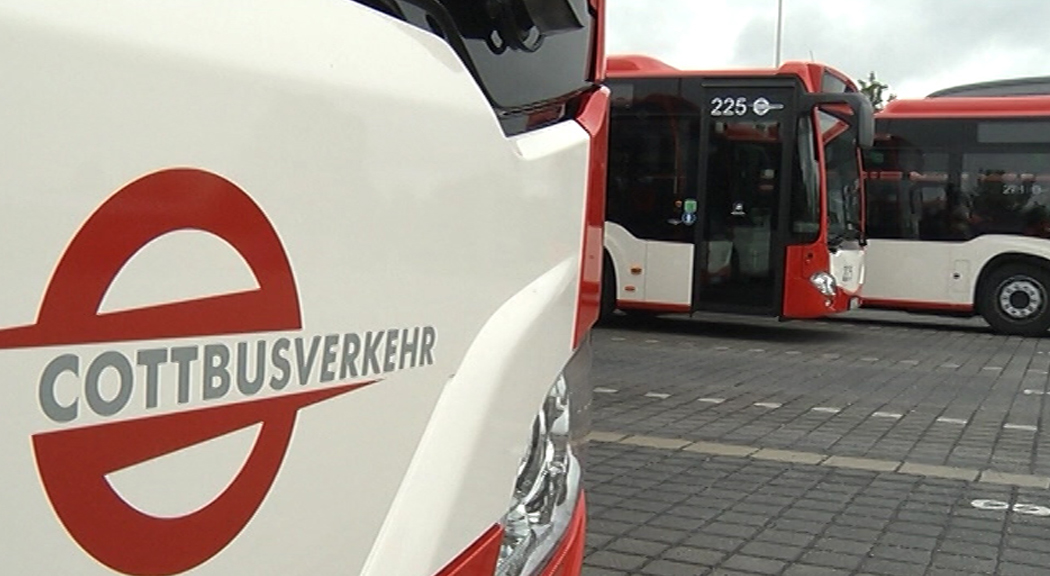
261	381
762	106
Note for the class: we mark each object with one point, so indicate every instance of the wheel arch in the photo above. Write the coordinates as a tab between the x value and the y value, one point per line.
999	261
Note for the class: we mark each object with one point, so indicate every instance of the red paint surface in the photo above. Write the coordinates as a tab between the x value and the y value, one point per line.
594	117
567	560
632	65
967	107
801	298
599	66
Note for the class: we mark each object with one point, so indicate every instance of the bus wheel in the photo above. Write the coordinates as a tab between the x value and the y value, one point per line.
1015	300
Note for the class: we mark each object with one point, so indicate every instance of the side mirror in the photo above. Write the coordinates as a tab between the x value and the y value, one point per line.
519	24
862	118
553	16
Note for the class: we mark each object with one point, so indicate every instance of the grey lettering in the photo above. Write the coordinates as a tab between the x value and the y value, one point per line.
281	363
331	342
246	386
427	347
93	388
151	360
305	362
351	348
372	342
391	350
409	347
48	403
216	371
183	357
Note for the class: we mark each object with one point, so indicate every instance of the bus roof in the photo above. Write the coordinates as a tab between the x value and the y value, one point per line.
811	73
1033	86
968	107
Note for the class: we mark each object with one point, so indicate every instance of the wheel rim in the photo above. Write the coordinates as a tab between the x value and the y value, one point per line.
1021	298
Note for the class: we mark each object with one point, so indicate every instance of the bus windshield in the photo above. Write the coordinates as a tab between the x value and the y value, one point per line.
842	174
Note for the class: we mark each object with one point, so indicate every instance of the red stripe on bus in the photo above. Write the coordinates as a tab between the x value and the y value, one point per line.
915	305
599	67
654	306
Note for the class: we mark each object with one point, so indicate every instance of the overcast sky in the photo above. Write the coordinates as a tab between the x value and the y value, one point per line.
915	46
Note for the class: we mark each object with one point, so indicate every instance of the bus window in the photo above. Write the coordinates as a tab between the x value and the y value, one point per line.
805	198
884	216
1013	132
649	156
1008	193
833	84
909	193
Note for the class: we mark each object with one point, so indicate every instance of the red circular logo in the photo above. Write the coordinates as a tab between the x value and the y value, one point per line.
73	463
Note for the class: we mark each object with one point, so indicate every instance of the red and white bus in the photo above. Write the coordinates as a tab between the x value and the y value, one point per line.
958	208
247	324
734	191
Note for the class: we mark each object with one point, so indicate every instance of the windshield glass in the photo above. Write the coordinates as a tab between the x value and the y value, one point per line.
805	192
843	179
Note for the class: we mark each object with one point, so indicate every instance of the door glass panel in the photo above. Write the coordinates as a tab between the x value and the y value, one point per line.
741	212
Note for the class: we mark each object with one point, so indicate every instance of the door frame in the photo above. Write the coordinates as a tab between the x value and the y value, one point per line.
699	91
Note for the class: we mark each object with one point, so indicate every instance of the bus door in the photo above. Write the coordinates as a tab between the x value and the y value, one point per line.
745	167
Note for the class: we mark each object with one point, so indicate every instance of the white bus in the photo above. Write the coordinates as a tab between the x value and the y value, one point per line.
958	209
247	325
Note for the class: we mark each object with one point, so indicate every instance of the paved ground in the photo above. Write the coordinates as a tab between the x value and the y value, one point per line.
881	443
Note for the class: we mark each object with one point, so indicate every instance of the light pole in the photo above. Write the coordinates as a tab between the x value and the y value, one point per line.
780	26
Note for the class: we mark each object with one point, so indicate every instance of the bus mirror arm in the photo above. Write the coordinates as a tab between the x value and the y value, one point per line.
863	113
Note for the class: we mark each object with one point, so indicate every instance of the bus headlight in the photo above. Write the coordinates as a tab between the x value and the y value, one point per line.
824	283
545	491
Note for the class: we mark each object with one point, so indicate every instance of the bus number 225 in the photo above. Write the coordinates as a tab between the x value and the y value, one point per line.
729	106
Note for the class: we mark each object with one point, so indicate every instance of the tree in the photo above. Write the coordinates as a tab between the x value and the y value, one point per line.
876	90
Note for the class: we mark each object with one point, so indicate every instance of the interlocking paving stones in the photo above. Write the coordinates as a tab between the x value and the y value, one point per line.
746	468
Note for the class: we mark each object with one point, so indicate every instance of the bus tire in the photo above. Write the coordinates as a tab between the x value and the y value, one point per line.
608	294
1015	299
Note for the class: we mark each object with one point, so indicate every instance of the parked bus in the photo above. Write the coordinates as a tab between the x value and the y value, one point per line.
958	209
247	326
734	191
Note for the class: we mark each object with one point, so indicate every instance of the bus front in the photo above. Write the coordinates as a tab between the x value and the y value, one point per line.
734	191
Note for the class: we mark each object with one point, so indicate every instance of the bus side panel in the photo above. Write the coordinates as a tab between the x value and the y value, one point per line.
628	253
909	271
669	278
922	274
